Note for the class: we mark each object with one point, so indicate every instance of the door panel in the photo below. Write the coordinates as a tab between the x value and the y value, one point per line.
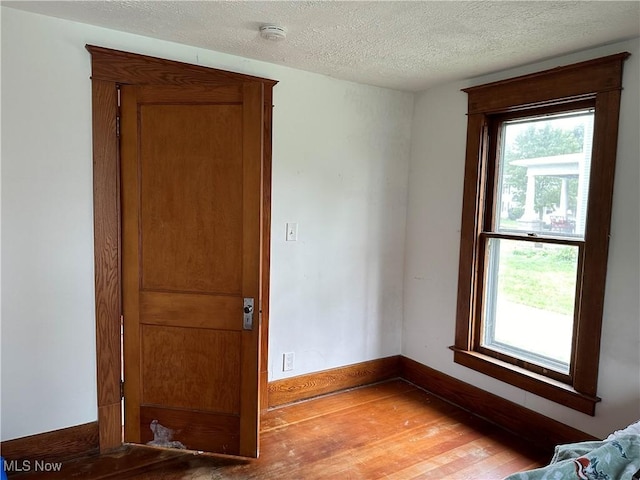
212	361
191	191
191	163
186	310
219	432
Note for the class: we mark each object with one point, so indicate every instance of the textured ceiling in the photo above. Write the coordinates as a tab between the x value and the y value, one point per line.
403	45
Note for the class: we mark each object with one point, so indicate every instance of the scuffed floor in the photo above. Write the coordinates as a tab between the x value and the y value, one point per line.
391	431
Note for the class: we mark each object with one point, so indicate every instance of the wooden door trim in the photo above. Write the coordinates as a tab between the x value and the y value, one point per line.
110	68
134	69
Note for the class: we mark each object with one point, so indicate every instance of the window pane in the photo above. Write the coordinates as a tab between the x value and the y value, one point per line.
529	301
543	179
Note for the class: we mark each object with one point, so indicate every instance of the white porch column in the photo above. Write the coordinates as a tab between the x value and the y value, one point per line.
562	209
529	203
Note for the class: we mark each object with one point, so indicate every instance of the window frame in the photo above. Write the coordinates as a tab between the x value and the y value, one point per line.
595	82
489	230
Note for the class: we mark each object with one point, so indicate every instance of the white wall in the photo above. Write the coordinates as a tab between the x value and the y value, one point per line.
340	166
342	155
433	239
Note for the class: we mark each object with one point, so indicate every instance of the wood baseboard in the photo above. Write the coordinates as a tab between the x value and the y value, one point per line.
542	431
55	446
539	429
83	440
311	385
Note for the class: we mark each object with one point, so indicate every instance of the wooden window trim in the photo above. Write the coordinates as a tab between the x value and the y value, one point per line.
598	81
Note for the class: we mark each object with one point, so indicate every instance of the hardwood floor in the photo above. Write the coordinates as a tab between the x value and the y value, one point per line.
391	430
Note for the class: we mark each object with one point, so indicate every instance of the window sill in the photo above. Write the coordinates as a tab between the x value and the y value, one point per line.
529	381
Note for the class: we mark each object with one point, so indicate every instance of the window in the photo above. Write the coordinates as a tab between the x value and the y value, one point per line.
535	225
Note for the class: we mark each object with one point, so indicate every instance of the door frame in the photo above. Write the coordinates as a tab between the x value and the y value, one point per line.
109	69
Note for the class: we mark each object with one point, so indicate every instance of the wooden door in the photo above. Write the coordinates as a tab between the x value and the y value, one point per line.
191	169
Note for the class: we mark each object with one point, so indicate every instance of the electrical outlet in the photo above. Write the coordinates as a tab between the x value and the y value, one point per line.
287	361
